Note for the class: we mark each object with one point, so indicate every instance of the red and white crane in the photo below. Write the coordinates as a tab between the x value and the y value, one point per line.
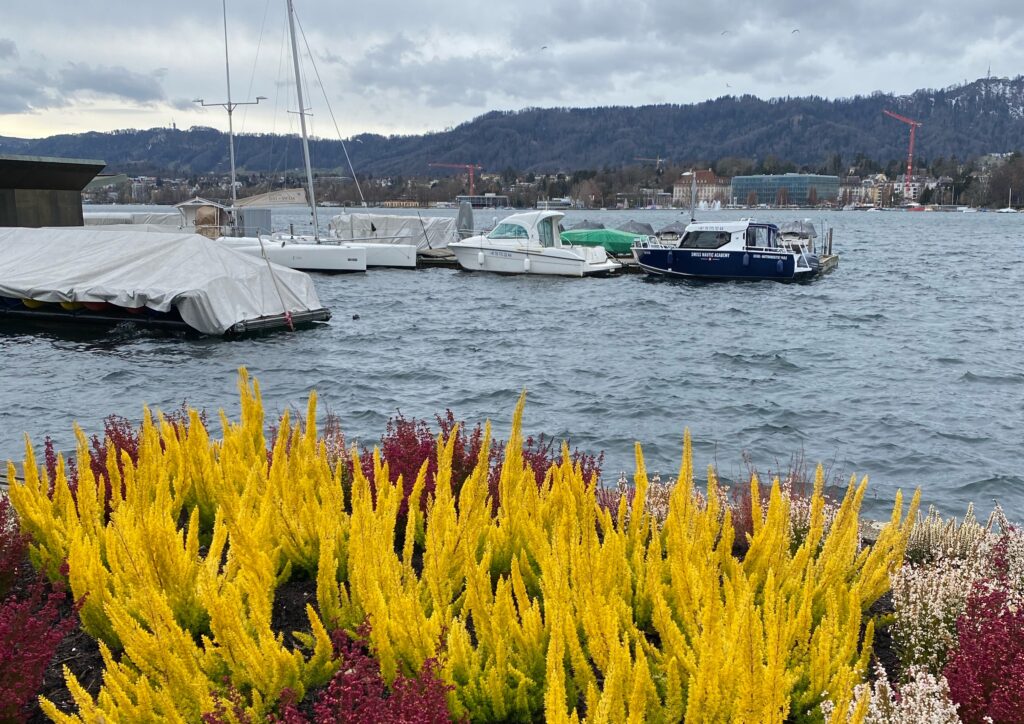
914	125
471	167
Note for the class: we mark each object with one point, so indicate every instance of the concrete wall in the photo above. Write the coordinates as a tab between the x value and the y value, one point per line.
40	207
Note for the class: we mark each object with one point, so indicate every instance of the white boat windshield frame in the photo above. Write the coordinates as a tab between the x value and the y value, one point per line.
509	230
705	239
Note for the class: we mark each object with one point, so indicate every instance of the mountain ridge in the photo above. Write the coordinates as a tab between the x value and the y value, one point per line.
968	120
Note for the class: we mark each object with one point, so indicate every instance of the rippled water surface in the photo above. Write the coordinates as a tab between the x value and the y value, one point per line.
903	365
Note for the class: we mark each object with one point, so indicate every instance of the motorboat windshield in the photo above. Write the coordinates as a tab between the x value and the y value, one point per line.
705	239
509	230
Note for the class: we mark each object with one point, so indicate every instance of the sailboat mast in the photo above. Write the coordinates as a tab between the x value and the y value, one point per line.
302	121
230	107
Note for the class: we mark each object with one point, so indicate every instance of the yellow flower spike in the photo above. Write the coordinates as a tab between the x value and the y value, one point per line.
566	602
756	511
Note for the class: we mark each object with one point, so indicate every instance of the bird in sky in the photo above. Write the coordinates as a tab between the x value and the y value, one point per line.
795	30
728	86
725	32
543	47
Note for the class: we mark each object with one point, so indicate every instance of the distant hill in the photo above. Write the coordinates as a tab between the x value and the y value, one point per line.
967	120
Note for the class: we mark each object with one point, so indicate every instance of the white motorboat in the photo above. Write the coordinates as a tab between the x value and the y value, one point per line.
530	243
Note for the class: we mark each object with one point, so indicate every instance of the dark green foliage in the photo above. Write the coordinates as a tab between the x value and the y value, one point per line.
964	121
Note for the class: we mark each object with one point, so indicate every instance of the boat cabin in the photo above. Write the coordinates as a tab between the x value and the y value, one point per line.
534	227
735	235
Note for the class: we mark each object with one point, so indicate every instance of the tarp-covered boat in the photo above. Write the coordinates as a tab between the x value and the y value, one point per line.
78	275
614	241
425	232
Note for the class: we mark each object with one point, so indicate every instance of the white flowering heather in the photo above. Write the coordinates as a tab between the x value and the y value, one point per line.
927	599
800	512
933	537
923	699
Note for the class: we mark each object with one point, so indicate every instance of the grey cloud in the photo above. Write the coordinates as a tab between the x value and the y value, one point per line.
8	49
26	89
115	81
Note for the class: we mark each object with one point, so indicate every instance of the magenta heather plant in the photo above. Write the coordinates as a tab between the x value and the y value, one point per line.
407	443
31	628
358	695
986	670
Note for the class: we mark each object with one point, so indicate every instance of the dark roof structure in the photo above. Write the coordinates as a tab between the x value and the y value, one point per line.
41	191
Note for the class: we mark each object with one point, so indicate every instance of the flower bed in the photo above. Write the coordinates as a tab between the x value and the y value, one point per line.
472	586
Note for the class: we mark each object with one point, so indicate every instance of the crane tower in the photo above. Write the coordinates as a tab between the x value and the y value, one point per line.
471	167
914	125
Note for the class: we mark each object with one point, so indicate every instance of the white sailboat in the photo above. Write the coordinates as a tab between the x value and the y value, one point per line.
305	253
1009	204
392	253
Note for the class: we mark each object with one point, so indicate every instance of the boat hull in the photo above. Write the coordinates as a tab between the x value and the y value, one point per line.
710	264
399	256
550	262
329	258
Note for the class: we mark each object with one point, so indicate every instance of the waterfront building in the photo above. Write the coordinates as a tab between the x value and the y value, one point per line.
710	188
788	189
487	201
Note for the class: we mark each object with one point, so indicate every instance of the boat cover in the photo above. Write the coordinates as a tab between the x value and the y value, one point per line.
587	224
212	286
800	227
676	227
279	197
426	232
613	240
106	218
637	227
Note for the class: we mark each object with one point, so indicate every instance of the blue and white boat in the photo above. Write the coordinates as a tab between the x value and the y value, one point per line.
729	250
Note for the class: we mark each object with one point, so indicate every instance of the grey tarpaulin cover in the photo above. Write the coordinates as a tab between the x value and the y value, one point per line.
637	227
212	286
106	218
426	232
800	227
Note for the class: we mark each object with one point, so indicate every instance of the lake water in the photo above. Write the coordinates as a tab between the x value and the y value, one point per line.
903	365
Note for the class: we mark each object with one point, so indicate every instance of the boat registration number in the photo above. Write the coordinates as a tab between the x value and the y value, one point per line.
505	254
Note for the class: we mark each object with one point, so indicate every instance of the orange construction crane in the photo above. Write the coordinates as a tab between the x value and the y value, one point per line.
914	125
471	167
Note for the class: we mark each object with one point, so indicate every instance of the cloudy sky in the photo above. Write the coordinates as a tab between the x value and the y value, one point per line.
392	66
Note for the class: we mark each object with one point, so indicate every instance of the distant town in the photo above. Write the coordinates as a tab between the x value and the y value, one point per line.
994	180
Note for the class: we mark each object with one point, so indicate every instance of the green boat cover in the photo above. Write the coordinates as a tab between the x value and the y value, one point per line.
614	241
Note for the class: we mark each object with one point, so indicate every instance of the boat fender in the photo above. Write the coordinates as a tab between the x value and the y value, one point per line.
526	265
480	258
670	257
746	260
778	266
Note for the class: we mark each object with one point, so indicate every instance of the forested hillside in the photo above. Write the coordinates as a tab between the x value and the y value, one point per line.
985	116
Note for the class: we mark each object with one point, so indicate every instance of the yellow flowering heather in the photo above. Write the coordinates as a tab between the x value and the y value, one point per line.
549	606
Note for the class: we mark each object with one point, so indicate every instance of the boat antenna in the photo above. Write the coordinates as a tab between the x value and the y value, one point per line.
330	110
302	121
693	195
